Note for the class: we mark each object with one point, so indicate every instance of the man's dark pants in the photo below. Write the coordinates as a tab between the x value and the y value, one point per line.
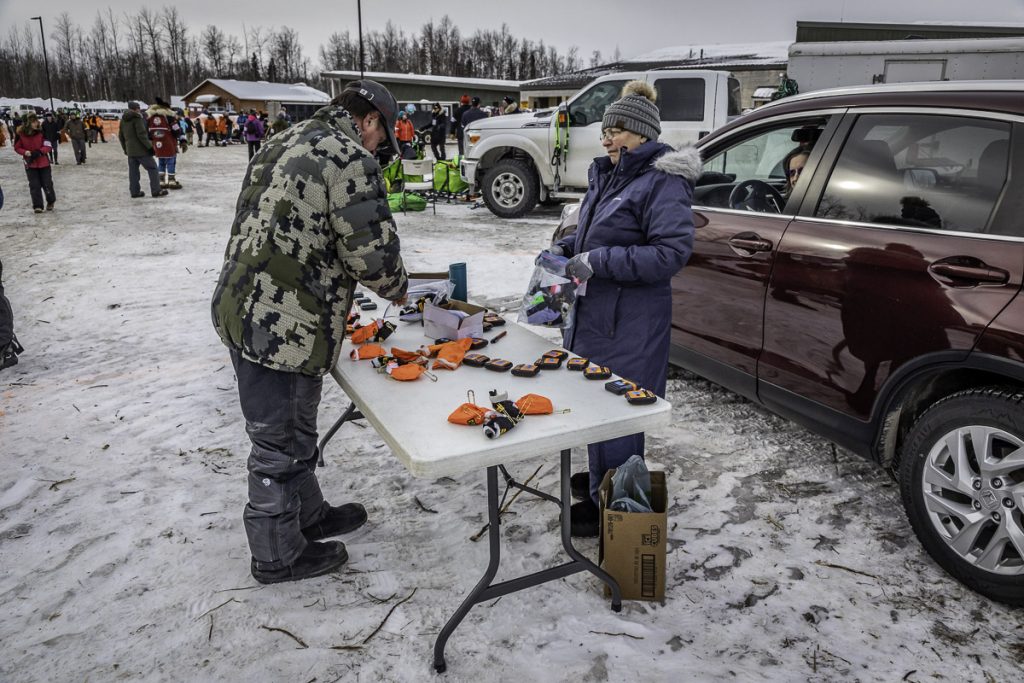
79	147
254	146
280	410
148	163
40	181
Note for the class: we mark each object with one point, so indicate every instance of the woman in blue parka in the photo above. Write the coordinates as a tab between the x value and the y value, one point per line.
635	232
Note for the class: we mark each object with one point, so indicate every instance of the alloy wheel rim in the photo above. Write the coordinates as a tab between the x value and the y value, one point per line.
973	488
508	189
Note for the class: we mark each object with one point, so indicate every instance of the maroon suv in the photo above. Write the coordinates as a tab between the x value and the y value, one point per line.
857	263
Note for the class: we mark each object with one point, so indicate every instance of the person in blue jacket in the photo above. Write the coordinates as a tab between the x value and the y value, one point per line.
635	233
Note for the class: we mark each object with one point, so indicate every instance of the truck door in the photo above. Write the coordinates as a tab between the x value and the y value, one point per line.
585	114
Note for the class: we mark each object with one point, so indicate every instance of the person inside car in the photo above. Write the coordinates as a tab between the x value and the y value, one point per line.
794	166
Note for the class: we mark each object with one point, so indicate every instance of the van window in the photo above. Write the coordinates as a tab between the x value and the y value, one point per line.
681	99
589	107
921	170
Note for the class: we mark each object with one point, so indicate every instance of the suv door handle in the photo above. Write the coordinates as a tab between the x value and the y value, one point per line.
967	271
749	243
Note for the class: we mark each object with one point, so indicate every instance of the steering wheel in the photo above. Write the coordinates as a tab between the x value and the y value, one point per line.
756	195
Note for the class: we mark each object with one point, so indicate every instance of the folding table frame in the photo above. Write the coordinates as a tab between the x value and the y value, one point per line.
484	589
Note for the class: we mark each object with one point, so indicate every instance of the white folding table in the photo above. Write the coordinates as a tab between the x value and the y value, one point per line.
411	417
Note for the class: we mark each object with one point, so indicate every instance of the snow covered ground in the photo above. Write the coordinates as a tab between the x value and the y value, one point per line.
123	455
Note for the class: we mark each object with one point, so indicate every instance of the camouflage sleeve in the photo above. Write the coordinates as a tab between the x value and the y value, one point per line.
366	236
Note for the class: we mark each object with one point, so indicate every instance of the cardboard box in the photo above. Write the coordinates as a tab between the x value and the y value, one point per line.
633	544
442	322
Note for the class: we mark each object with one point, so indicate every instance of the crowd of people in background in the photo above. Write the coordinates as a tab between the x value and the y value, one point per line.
154	137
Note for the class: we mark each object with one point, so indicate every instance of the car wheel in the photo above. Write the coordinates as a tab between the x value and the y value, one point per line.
510	188
962	482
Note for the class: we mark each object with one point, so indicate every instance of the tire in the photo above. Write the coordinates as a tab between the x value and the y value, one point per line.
964	501
510	189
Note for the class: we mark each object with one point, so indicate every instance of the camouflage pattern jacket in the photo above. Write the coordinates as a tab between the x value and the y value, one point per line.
312	219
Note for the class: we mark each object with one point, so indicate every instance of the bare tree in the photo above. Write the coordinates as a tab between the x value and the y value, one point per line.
213	45
153	52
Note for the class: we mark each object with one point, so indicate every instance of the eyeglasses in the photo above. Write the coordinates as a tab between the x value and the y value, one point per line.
794	172
609	133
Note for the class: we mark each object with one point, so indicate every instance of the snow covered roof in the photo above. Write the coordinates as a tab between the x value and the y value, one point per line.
771	52
712	56
383	76
763	93
907	47
265	91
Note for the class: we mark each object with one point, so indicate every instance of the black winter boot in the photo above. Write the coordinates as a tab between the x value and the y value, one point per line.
338	520
579	484
585	519
8	357
317	559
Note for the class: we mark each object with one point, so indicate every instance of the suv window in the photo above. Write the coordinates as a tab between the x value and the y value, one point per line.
762	157
589	107
681	99
920	170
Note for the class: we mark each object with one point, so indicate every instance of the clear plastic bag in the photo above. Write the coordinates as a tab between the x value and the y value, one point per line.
551	296
631	487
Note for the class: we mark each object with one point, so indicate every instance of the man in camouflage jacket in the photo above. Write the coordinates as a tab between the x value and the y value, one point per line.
311	221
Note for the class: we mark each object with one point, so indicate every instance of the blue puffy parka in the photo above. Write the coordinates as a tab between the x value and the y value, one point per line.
637	225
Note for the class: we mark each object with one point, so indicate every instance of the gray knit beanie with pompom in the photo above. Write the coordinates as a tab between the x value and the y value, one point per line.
636	111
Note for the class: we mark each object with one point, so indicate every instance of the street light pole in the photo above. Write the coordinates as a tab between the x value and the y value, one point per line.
362	58
46	61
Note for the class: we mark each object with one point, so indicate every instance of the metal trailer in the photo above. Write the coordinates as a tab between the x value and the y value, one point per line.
816	66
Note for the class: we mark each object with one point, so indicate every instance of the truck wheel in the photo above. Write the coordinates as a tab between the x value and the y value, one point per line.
510	189
962	482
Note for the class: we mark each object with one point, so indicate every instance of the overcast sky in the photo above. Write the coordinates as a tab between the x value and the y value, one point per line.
635	26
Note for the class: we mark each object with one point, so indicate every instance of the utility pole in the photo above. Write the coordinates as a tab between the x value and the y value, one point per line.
362	57
46	61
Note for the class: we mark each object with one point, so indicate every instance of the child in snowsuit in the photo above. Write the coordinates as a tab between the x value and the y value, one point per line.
166	134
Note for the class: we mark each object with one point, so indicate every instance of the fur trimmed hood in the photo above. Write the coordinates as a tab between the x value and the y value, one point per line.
685	162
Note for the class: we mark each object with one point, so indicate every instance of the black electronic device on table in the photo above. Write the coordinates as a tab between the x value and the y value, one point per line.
577	364
525	370
475	360
556	353
368	306
641	397
498	365
597	372
549	363
478	343
620	386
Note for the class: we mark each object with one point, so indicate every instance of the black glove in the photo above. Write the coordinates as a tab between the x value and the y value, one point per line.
578	267
34	155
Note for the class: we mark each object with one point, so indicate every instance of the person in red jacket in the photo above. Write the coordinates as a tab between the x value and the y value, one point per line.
405	132
34	149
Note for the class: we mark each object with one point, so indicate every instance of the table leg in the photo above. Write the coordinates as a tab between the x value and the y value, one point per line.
350	414
567	535
484	590
494	537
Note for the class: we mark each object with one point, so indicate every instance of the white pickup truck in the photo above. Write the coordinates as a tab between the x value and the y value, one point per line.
517	160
